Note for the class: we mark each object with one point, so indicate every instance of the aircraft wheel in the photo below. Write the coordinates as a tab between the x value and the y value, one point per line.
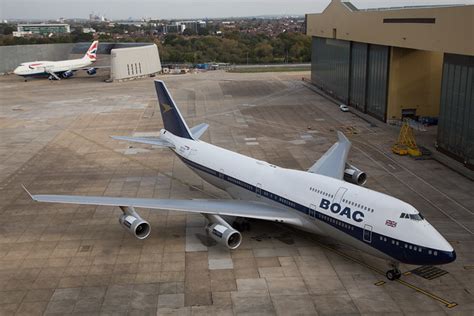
393	275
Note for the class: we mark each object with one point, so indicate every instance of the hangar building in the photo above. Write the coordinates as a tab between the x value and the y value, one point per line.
127	60
400	62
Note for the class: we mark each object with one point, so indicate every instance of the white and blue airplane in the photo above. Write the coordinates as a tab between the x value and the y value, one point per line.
55	70
328	199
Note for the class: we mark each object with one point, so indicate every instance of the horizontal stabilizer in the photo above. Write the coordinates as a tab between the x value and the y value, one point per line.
198	130
146	140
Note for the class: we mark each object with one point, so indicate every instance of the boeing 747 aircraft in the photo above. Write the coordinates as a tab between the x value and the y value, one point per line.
55	70
327	199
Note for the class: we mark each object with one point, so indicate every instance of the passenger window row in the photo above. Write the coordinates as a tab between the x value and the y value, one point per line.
321	192
358	205
286	202
240	183
335	221
408	246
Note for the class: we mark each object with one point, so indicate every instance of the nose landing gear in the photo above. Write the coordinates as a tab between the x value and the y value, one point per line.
393	274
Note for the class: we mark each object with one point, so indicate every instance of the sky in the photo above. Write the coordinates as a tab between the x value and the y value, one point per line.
178	9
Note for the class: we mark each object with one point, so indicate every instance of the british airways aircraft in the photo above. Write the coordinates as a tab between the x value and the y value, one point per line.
55	70
328	199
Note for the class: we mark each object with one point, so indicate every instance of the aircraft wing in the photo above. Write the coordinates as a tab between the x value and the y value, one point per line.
333	162
237	208
146	140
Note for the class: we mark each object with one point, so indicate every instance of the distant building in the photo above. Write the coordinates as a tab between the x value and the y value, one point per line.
193	25
88	30
173	28
41	29
400	62
180	26
97	17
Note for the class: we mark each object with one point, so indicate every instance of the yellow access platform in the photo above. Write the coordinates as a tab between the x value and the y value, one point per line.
406	144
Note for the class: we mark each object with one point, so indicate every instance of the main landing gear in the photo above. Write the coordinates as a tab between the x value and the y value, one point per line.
393	274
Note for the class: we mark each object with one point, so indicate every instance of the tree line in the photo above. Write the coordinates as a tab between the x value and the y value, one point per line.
236	48
231	47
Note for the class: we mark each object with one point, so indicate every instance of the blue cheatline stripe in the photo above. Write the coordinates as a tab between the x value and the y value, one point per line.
395	248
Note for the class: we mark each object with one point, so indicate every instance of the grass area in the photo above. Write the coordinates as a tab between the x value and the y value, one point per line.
269	69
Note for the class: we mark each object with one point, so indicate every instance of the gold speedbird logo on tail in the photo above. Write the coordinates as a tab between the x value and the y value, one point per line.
165	107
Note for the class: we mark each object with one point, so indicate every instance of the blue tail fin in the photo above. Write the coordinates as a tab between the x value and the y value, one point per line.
172	119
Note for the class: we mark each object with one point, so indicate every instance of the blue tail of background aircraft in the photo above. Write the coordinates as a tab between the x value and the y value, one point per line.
172	119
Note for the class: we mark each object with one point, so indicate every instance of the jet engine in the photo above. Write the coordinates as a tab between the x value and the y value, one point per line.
91	71
133	223
226	236
354	175
67	74
219	230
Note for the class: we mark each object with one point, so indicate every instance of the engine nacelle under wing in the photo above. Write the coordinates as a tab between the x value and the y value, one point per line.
133	223
354	175
91	71
67	74
224	235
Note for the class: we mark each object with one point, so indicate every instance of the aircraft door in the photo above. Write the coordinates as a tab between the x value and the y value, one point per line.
339	194
367	233
312	210
258	189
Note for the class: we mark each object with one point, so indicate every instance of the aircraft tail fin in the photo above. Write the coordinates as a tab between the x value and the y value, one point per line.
91	53
172	119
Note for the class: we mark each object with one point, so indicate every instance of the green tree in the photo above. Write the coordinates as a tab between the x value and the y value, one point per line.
264	52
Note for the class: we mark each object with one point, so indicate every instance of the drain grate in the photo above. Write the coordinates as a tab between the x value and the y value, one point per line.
429	272
85	248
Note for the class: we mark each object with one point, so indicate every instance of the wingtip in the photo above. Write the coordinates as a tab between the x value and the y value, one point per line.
341	137
26	190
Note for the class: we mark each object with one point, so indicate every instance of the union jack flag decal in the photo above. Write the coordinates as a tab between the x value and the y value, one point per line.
390	223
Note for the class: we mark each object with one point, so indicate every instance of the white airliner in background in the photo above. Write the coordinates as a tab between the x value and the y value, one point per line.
55	70
327	199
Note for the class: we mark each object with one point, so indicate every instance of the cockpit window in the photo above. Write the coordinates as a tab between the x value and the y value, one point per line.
416	217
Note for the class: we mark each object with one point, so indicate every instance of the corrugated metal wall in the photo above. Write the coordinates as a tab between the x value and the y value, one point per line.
456	118
330	66
377	79
355	73
358	75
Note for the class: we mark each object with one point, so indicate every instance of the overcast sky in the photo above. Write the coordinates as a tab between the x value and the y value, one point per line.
169	9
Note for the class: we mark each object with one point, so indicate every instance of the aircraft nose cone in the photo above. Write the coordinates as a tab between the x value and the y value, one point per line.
445	257
16	71
451	256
